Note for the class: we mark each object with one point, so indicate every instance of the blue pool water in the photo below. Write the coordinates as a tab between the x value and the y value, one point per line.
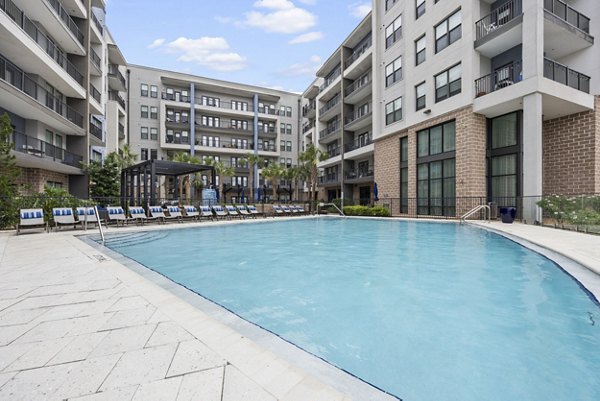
424	311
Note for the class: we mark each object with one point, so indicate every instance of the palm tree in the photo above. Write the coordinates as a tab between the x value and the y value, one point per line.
310	159
273	172
184	157
252	160
126	157
292	174
220	170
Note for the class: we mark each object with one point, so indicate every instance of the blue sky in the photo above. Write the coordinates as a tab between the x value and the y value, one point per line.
272	43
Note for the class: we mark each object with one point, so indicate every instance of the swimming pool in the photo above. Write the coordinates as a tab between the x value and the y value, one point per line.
424	311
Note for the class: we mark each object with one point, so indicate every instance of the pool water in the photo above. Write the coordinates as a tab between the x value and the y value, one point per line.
424	311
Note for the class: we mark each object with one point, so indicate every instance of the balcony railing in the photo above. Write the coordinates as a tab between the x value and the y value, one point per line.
95	59
96	131
360	114
336	151
568	14
113	70
330	178
359	173
66	19
32	146
95	93
359	142
97	23
308	108
308	127
332	129
564	75
330	105
227	125
359	52
330	79
14	76
501	78
358	84
175	98
121	131
497	18
117	98
42	40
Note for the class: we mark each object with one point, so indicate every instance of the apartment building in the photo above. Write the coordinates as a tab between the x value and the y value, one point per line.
172	112
337	111
57	64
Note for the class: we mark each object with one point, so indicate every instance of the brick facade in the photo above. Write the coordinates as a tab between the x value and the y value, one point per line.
471	131
571	153
32	180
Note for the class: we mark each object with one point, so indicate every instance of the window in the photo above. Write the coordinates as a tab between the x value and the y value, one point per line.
282	128
170	94
282	146
288	163
288	129
211	101
436	140
393	111
420	94
389	4
420	45
504	150
282	111
144	90
393	32
154	91
404	175
153	154
210	121
185	97
237	105
154	112
393	72
288	111
144	133
154	134
144	111
144	154
448	31
420	8
288	146
448	83
239	125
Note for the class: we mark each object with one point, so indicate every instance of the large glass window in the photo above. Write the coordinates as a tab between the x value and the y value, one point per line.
420	8
420	92
393	111
448	31
448	83
404	175
393	32
393	72
420	45
503	162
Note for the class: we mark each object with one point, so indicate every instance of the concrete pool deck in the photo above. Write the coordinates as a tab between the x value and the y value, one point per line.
79	323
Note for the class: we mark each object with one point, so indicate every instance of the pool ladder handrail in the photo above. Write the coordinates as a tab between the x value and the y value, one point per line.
330	204
476	209
99	224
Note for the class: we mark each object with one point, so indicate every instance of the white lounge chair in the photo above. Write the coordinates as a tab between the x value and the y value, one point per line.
87	215
287	210
117	215
220	213
174	213
232	211
206	212
138	214
31	218
157	212
277	211
63	216
244	212
191	212
254	211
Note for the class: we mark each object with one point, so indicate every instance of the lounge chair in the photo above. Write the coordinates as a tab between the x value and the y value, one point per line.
156	212
254	211
294	209
117	214
277	211
138	214
220	212
232	212
31	218
174	213
206	212
87	215
63	216
287	210
244	212
191	212
300	209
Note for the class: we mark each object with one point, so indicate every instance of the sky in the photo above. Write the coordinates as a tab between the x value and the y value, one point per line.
272	43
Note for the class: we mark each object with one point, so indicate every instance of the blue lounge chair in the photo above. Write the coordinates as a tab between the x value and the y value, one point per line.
63	216
31	218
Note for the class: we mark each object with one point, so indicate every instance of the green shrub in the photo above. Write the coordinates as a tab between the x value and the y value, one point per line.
557	207
377	211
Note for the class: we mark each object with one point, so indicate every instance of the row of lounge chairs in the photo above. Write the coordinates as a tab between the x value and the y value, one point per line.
288	210
34	218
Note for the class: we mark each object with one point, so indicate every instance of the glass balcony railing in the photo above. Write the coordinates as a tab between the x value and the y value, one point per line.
568	14
32	146
15	77
566	76
42	40
497	18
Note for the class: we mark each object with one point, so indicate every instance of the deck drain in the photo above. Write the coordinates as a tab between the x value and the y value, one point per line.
100	258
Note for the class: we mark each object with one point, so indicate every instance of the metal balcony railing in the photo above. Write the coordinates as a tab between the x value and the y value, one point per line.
359	173
336	151
330	79
497	18
66	19
42	40
113	70
175	98
227	125
332	129
95	59
117	98
95	93
96	131
308	127
499	79
121	131
358	84
97	23
359	52
564	75
14	76
359	114
309	107
329	105
359	142
32	146
568	14
330	178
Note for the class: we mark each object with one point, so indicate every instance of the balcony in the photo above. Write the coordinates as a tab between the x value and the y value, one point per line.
500	79
500	30
96	130
174	97
308	127
334	151
95	94
329	179
358	90
330	133
35	147
116	80
330	79
566	30
331	108
121	131
96	62
359	142
66	19
309	110
232	127
114	96
359	175
23	83
361	118
27	56
97	24
566	76
359	52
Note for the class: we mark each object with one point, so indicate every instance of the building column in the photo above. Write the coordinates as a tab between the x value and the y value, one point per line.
192	119
533	38
532	157
254	190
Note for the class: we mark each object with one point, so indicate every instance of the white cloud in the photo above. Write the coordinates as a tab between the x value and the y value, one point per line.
309	67
309	2
307	37
283	17
211	52
274	4
360	10
157	42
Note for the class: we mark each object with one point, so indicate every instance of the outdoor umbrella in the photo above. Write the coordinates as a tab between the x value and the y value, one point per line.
375	192
243	194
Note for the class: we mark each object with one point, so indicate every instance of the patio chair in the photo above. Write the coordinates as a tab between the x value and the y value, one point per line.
31	218
191	212
254	211
117	215
63	216
206	212
220	213
244	212
232	212
277	211
174	213
138	214
286	210
87	215
157	212
300	209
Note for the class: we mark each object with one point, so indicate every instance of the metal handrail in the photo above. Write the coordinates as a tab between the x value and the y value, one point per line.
99	223
476	209
330	204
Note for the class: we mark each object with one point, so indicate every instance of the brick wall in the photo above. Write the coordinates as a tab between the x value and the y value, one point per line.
470	157
33	180
571	153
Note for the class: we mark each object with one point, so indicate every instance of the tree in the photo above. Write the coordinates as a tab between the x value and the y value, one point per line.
126	157
252	160
184	157
8	174
292	174
221	171
273	172
309	160
105	178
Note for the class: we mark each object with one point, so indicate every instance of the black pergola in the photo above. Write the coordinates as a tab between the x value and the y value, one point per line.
136	177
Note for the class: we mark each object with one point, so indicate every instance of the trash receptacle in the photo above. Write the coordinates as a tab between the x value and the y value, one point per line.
508	214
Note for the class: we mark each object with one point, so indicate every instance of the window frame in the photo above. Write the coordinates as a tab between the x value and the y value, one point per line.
446	39
144	90
396	74
395	113
418	106
419	8
448	85
422	52
144	111
395	34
